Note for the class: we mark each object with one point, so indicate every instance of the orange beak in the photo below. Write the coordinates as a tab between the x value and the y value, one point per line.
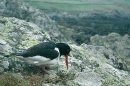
66	61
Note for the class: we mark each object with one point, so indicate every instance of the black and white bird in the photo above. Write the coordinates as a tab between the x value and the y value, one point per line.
43	54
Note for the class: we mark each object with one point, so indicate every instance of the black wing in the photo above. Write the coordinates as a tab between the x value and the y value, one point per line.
45	49
44	45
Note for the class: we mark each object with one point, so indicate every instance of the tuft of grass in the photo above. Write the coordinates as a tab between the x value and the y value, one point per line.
29	79
36	80
10	80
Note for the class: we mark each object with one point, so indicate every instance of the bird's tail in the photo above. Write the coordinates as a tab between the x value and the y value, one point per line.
13	54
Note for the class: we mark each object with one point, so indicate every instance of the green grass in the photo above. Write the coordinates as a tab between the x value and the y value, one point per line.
30	79
79	5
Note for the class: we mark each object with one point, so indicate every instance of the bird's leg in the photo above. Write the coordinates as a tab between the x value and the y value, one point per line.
43	68
37	70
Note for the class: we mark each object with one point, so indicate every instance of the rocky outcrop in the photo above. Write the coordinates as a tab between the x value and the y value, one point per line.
119	44
17	35
89	65
20	10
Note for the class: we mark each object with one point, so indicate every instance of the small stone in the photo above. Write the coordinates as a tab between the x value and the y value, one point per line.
6	64
1	69
3	42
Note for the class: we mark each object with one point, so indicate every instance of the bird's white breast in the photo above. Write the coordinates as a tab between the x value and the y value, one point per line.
39	60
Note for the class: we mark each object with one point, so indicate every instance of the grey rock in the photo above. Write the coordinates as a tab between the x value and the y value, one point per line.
18	75
5	64
88	79
21	10
120	46
113	41
2	42
1	56
19	67
1	69
48	84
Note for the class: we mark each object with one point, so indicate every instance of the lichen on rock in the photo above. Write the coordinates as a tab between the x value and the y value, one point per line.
100	63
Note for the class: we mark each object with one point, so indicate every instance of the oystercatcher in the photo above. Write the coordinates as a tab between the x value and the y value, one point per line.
43	54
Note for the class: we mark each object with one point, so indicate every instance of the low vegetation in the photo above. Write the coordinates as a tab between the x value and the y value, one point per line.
30	79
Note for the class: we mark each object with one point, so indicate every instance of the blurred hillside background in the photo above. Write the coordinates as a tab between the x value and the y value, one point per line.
80	5
85	18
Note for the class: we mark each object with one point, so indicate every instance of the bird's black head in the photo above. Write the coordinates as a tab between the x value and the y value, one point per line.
63	48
